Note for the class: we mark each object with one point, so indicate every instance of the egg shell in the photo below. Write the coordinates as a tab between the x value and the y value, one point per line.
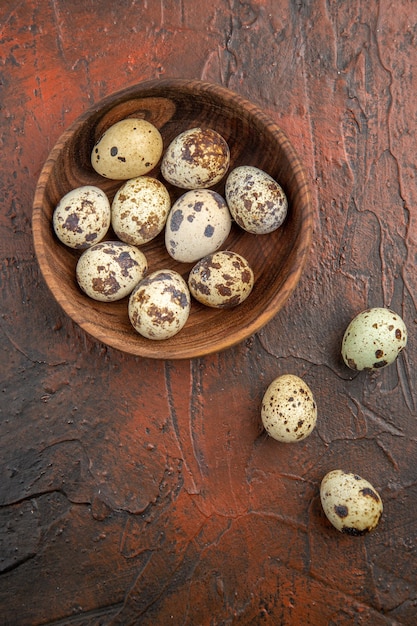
373	339
288	411
197	158
256	201
109	270
223	279
197	225
82	217
129	148
140	209
159	305
350	503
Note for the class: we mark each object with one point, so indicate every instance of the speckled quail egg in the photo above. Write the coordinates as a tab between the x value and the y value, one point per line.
160	304
197	158
82	217
223	279
256	201
129	148
350	502
197	225
373	339
140	209
109	270
288	411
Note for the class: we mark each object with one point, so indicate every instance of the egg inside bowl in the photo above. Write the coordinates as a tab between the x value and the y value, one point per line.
277	259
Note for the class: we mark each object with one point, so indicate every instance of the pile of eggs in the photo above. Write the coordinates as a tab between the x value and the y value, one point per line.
196	225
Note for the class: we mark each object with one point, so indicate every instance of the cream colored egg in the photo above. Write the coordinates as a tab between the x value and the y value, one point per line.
350	502
288	411
82	217
160	305
373	339
198	158
256	201
140	209
198	224
109	270
131	147
223	279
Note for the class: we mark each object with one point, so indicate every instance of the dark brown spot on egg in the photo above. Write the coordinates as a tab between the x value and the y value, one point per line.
229	303
379	354
341	510
107	286
72	223
176	220
398	334
370	493
177	295
223	290
354	532
125	262
90	237
380	364
199	287
160	315
246	277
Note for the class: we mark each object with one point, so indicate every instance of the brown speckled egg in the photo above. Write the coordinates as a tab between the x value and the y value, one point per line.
350	502
256	201
223	279
82	217
130	148
196	159
159	305
373	339
109	270
198	224
140	209
289	412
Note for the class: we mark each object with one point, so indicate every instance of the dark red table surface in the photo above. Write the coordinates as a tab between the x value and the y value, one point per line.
138	491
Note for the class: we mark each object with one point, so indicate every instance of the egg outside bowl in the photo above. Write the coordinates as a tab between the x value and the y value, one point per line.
277	259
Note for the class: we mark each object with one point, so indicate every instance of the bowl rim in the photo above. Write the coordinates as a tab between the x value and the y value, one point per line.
276	302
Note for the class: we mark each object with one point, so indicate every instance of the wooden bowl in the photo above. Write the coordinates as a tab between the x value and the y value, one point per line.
277	259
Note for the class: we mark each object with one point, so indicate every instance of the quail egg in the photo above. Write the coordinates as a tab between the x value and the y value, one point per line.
109	270
82	217
256	201
197	158
197	225
129	148
288	411
140	209
160	304
373	339
350	502
223	279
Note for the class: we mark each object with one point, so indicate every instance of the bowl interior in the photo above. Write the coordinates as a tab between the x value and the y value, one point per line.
277	259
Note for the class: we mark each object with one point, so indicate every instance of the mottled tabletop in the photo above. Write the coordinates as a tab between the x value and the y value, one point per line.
145	491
